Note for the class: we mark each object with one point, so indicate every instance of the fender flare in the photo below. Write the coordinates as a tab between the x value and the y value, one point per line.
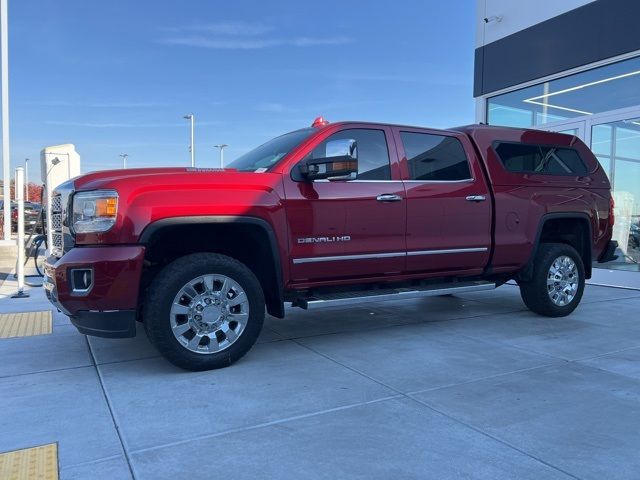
527	271
156	226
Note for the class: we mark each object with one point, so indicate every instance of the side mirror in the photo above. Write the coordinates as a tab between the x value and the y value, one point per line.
340	163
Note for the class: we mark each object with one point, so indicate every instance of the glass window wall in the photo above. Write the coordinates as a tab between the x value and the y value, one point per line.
617	146
602	89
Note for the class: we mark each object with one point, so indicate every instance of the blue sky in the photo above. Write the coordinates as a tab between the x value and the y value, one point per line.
118	76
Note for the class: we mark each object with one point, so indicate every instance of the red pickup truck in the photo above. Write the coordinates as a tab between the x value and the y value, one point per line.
333	214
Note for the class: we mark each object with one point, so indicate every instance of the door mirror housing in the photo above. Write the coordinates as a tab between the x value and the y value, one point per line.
340	162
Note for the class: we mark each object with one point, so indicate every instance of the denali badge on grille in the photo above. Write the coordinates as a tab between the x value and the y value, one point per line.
342	238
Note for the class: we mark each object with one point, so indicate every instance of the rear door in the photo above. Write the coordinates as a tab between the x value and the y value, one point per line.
448	203
347	229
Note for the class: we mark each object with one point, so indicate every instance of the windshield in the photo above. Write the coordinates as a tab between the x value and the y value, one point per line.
268	154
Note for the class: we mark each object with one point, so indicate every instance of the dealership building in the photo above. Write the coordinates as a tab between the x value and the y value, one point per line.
570	66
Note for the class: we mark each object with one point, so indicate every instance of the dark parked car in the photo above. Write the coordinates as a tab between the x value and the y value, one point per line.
31	216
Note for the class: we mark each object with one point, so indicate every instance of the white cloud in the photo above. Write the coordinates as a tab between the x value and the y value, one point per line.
123	125
220	43
134	145
234	43
125	104
310	41
313	109
240	35
119	104
227	28
272	107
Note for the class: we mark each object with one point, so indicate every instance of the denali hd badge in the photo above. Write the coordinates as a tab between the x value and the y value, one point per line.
342	238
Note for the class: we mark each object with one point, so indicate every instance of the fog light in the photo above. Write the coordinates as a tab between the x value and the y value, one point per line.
81	280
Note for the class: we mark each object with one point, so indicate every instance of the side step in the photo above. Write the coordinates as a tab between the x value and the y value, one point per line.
352	298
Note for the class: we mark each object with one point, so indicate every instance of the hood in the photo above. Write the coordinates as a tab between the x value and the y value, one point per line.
169	178
100	179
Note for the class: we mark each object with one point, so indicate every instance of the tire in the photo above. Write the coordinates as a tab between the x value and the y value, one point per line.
563	296
201	280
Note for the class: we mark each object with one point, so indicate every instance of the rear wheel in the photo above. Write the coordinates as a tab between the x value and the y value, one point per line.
557	284
204	311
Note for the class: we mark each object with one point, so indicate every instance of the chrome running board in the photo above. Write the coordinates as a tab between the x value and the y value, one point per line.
365	296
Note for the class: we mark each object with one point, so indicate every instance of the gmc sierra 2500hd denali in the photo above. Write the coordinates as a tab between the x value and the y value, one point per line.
327	215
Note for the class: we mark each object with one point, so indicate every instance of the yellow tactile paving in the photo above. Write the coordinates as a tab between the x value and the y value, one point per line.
24	324
39	463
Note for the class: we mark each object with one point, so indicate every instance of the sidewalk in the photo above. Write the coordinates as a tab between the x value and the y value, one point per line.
444	387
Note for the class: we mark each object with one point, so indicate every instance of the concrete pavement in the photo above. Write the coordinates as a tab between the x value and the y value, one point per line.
470	386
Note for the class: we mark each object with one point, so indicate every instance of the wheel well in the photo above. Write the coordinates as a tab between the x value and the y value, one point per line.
572	231
249	243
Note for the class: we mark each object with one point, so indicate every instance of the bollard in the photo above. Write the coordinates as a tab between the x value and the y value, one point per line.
19	195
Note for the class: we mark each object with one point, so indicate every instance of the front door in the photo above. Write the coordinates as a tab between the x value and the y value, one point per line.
341	229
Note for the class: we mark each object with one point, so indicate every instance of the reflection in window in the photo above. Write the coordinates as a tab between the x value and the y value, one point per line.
627	180
435	157
593	91
601	139
512	117
541	159
373	154
628	140
617	145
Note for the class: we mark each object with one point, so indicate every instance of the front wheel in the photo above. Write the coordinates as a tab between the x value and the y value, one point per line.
204	311
557	284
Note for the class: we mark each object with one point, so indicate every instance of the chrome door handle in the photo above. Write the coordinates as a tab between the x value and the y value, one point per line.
476	198
388	197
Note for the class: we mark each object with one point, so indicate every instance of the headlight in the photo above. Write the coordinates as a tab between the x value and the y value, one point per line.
94	211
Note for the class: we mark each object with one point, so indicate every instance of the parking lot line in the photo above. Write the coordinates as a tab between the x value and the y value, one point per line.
25	324
30	463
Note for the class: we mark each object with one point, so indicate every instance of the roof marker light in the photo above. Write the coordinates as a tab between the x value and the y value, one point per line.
319	122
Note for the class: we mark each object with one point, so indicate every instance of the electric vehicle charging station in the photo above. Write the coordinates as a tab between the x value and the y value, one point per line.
58	164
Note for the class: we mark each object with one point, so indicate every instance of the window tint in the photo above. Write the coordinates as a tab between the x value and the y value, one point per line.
435	157
371	152
542	159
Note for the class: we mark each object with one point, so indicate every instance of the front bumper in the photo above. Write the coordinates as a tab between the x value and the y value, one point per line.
114	324
108	308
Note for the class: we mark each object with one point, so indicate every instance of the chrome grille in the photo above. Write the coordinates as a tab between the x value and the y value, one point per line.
57	244
57	247
56	203
56	222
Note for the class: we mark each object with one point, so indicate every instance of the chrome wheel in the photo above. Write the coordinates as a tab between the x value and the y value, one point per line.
209	313
562	281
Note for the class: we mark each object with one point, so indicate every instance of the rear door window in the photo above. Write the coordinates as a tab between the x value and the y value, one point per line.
540	159
437	158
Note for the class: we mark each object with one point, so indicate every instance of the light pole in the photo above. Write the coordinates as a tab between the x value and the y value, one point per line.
222	146
26	179
124	159
6	168
192	146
